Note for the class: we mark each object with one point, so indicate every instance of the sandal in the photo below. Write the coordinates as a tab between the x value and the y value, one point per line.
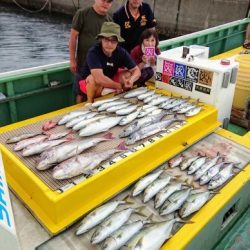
246	45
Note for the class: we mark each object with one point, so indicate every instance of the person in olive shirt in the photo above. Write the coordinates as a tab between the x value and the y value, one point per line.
86	25
134	17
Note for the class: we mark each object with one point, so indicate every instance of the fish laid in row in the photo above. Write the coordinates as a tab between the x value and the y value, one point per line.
151	130
62	152
83	163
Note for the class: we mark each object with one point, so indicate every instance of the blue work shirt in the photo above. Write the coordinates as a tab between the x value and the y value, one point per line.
96	59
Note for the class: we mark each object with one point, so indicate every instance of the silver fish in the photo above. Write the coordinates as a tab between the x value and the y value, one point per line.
26	142
99	126
145	111
154	188
197	164
214	170
62	152
156	111
151	98
155	235
127	110
145	95
71	116
97	216
219	179
186	163
174	103
110	225
21	137
118	107
151	130
122	236
100	102
186	109
136	125
82	124
38	148
129	118
107	105
176	161
145	181
78	119
135	92
174	201
204	168
163	195
180	106
193	203
82	163
59	135
193	111
160	100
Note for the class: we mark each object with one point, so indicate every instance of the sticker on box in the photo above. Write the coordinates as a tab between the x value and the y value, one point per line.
158	76
176	82
165	78
203	89
188	85
168	68
180	71
192	74
206	77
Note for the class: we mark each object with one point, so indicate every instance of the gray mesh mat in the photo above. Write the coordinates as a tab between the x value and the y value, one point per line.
62	185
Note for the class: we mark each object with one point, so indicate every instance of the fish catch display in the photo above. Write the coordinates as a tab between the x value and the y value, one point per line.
169	202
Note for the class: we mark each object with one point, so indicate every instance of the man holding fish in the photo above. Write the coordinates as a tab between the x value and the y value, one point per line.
104	60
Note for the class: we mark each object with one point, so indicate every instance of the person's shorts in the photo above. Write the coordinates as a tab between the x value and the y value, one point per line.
83	88
76	87
83	85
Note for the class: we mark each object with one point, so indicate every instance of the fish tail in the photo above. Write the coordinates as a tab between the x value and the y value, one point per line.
122	146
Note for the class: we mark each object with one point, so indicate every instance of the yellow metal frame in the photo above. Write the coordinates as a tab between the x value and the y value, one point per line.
187	233
56	211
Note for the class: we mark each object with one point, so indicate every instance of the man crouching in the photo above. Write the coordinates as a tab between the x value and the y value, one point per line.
103	70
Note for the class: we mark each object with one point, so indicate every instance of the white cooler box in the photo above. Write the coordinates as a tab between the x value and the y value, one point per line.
196	76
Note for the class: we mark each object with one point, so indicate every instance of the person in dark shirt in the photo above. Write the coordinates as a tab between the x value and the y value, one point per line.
86	25
134	17
104	59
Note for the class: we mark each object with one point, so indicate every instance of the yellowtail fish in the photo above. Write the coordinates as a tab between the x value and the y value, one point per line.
97	216
110	225
145	181
193	203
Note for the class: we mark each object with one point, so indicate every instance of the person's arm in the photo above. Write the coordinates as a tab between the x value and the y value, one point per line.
247	38
104	81
72	50
135	75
